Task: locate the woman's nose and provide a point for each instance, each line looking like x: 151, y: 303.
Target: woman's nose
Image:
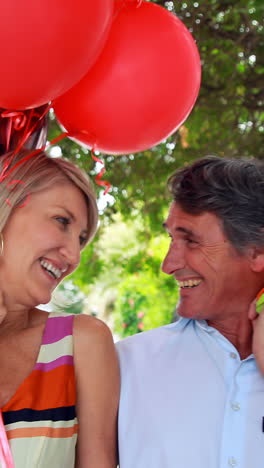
x: 71, y: 252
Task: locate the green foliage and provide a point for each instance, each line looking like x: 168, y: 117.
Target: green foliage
x: 90, y: 268
x: 146, y: 297
x: 227, y: 120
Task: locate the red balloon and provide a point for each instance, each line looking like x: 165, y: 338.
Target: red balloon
x: 142, y: 87
x: 47, y: 46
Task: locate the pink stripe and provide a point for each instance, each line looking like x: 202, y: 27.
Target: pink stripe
x: 47, y: 366
x: 5, y: 452
x: 57, y: 328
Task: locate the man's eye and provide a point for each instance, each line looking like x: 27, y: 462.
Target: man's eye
x: 63, y: 220
x: 191, y: 241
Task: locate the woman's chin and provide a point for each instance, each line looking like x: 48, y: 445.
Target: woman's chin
x: 39, y: 300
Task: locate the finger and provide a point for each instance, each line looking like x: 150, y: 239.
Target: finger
x: 252, y: 314
x: 1, y: 299
x: 260, y: 319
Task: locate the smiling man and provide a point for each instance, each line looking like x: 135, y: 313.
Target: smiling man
x: 192, y: 391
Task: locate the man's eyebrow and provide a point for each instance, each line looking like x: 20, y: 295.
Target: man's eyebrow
x: 189, y: 232
x: 184, y: 230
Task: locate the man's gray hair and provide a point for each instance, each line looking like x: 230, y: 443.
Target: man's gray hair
x: 231, y: 189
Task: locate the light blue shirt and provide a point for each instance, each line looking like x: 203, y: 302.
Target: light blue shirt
x: 188, y: 401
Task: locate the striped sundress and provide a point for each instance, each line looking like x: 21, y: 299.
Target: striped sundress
x: 40, y: 419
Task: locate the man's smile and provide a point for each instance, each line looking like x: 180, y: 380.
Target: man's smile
x: 191, y: 283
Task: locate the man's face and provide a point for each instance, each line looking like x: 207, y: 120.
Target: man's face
x: 214, y: 280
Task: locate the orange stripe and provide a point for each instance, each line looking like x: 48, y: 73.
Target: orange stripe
x: 43, y: 390
x: 53, y: 432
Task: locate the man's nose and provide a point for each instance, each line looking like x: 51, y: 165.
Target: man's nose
x: 174, y: 260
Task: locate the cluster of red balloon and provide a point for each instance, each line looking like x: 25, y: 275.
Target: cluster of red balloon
x: 142, y: 87
x: 122, y: 75
x: 46, y: 47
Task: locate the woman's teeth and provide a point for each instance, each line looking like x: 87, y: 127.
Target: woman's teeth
x: 51, y: 269
x: 189, y: 283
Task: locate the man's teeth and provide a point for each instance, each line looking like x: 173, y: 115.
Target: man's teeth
x: 51, y: 269
x: 189, y: 283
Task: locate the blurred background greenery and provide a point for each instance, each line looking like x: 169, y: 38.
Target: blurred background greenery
x: 119, y: 278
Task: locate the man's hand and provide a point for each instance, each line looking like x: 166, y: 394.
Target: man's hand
x: 3, y: 310
x: 258, y: 334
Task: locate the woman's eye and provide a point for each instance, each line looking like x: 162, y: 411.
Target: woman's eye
x: 63, y: 220
x: 83, y: 240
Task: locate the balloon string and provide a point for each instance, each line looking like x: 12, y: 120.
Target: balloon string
x: 55, y: 140
x: 5, y: 452
x: 27, y: 197
x: 98, y: 178
x: 29, y: 130
x: 18, y: 120
x: 5, y: 174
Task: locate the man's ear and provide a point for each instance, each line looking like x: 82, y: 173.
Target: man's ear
x: 256, y: 257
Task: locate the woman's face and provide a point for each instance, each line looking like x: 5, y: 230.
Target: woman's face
x: 42, y: 244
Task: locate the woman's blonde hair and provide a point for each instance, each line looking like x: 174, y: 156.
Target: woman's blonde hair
x: 40, y: 172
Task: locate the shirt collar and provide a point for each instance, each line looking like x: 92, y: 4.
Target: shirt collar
x: 203, y: 325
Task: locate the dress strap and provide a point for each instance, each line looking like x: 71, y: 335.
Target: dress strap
x: 5, y: 452
x: 57, y: 326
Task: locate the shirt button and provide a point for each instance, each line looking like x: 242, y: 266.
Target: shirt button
x: 232, y: 461
x: 233, y: 355
x: 235, y: 406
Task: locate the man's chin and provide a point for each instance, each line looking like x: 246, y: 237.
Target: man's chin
x: 186, y: 312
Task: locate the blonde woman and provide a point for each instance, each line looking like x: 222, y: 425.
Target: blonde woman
x: 59, y: 380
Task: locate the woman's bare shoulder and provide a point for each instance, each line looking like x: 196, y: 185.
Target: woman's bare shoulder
x: 91, y: 330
